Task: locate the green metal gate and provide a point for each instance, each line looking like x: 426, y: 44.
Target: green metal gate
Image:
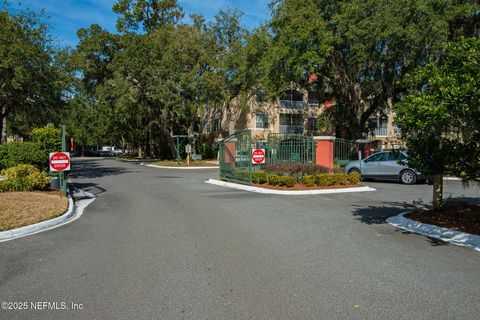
x: 290, y: 148
x: 235, y: 152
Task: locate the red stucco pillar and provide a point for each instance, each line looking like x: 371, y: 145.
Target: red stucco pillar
x: 324, y: 152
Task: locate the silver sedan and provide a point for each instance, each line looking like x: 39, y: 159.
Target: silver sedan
x: 386, y: 165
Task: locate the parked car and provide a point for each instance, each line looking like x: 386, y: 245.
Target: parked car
x: 386, y: 165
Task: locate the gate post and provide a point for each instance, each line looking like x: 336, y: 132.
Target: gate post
x: 363, y: 147
x: 324, y: 151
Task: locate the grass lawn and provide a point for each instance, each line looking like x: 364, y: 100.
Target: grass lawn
x: 19, y: 209
x: 183, y: 163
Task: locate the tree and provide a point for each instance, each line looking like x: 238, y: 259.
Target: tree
x: 440, y: 116
x: 362, y: 49
x: 150, y: 14
x: 32, y: 80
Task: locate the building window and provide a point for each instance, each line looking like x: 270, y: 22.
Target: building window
x: 292, y: 95
x: 312, y: 124
x: 216, y: 125
x: 207, y: 127
x: 261, y: 120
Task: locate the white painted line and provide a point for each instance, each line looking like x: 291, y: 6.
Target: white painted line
x: 75, y: 211
x: 178, y: 168
x: 286, y: 192
x: 59, y: 161
x: 452, y: 236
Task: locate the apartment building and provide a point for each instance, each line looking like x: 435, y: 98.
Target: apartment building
x: 296, y: 111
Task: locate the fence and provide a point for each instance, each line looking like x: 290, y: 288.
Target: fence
x: 235, y: 153
x: 347, y: 150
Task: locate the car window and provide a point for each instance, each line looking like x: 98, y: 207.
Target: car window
x: 378, y: 157
x: 403, y: 157
x: 393, y: 156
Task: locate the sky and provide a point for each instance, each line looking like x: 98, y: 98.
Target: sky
x: 67, y: 16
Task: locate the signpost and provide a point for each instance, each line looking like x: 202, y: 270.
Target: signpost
x: 258, y: 156
x: 188, y: 150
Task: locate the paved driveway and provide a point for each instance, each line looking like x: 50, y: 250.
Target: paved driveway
x: 161, y: 244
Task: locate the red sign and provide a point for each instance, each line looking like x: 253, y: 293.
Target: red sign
x: 60, y: 161
x: 258, y: 156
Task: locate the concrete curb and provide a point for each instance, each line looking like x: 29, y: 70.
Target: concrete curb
x: 176, y: 168
x: 452, y: 236
x: 286, y: 192
x: 74, y: 211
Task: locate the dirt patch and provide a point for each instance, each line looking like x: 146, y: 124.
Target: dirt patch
x: 458, y: 216
x: 18, y: 209
x: 300, y: 186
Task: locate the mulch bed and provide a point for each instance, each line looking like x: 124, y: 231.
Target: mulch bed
x: 458, y: 216
x: 300, y: 186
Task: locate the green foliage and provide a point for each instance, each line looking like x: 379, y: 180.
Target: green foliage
x: 14, y: 153
x: 33, y: 79
x: 440, y: 117
x: 324, y: 180
x: 259, y: 177
x: 360, y: 49
x: 273, y: 179
x: 309, y: 181
x: 149, y: 14
x: 295, y: 170
x: 48, y: 137
x: 354, y: 178
x: 287, y: 181
x: 23, y: 177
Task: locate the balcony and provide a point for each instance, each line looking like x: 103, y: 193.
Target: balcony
x: 380, y: 132
x: 291, y: 129
x: 292, y: 104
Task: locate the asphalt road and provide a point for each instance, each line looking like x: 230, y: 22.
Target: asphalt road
x: 162, y: 244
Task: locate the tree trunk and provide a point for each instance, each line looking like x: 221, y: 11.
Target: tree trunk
x: 3, y: 125
x: 437, y: 190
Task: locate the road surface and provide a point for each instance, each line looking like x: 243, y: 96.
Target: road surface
x: 162, y: 244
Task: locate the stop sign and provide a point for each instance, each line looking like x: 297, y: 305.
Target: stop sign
x: 258, y: 156
x: 59, y: 161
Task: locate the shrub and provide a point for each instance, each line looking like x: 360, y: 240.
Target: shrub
x: 14, y: 153
x: 259, y: 177
x: 273, y: 179
x: 325, y: 180
x: 354, y: 178
x: 23, y: 177
x: 309, y: 181
x: 340, y: 179
x: 287, y: 181
x: 48, y: 137
x: 295, y: 170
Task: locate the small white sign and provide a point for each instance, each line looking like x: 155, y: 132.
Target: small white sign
x: 188, y: 148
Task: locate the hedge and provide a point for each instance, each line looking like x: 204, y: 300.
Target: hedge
x: 23, y: 177
x: 14, y: 153
x: 322, y: 180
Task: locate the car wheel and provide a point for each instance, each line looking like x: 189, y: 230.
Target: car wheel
x: 408, y: 177
x: 354, y: 170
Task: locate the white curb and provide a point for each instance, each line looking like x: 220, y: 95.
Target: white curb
x: 452, y: 236
x: 177, y: 168
x: 286, y: 192
x: 74, y: 211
